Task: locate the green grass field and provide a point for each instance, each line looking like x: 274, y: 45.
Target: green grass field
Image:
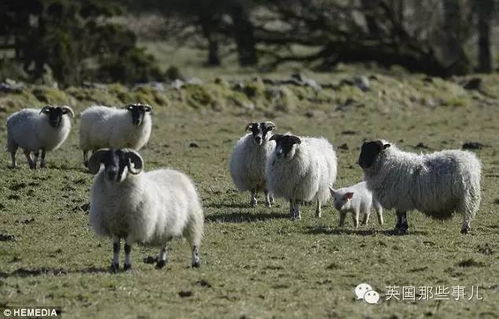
x: 256, y: 262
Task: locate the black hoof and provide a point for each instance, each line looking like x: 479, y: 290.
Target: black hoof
x: 127, y: 267
x: 465, y: 231
x: 151, y: 260
x: 196, y: 264
x: 114, y: 268
x: 160, y: 264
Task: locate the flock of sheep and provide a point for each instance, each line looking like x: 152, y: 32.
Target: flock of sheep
x: 154, y: 207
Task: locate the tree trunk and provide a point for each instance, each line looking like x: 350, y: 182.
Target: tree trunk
x: 485, y: 9
x: 210, y: 23
x: 243, y: 35
x: 453, y: 54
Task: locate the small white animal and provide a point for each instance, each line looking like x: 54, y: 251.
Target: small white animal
x: 147, y: 207
x: 356, y: 199
x: 37, y: 130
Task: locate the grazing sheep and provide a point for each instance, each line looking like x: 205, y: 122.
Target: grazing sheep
x: 148, y: 207
x: 301, y: 169
x: 437, y: 184
x: 247, y: 162
x: 356, y: 199
x: 37, y: 130
x: 109, y: 127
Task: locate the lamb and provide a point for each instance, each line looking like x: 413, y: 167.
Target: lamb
x: 356, y: 199
x: 37, y: 130
x: 301, y: 169
x: 109, y: 127
x: 148, y: 207
x: 247, y: 162
x: 437, y: 184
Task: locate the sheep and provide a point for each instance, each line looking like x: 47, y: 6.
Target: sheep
x: 301, y: 169
x: 37, y: 130
x: 437, y: 184
x: 247, y: 162
x: 356, y: 199
x: 109, y: 127
x: 148, y: 207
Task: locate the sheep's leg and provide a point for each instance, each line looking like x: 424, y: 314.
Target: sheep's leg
x: 13, y: 158
x: 115, y: 264
x: 271, y: 198
x: 28, y: 158
x: 128, y: 260
x: 402, y: 225
x: 469, y: 207
x: 42, y: 159
x: 367, y: 213
x: 318, y: 210
x: 161, y: 257
x: 37, y: 155
x: 85, y: 158
x: 291, y: 209
x: 268, y: 200
x: 297, y: 212
x: 379, y: 212
x: 253, y: 200
x: 196, y: 261
x: 355, y: 217
x: 343, y: 215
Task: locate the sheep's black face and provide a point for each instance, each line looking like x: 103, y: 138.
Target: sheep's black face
x: 285, y: 145
x: 54, y: 114
x: 370, y: 152
x: 260, y: 130
x: 115, y: 163
x: 138, y: 112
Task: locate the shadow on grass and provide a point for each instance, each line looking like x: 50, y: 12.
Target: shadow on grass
x: 243, y: 217
x: 360, y: 232
x: 26, y: 272
x: 231, y: 205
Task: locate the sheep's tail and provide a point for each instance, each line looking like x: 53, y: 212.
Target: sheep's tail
x: 472, y: 197
x: 195, y: 227
x: 11, y: 145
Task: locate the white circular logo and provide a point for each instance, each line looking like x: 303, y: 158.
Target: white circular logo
x: 7, y: 312
x: 371, y: 297
x: 361, y: 290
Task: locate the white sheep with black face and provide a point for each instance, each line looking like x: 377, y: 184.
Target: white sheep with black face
x: 437, y: 184
x: 37, y: 131
x: 358, y: 200
x: 147, y: 207
x: 109, y: 127
x: 301, y: 169
x: 247, y: 162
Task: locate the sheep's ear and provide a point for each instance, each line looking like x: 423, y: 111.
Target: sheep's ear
x: 385, y: 146
x: 249, y: 126
x: 95, y: 160
x: 148, y: 108
x: 137, y: 161
x: 348, y: 195
x: 66, y: 109
x: 332, y: 191
x: 45, y: 109
x: 295, y: 140
x: 270, y: 125
x: 275, y: 137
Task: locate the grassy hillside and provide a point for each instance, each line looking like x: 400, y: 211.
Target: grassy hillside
x: 256, y: 262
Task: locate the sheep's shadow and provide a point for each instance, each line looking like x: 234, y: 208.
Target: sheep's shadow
x: 316, y: 230
x: 231, y: 205
x: 240, y: 217
x: 34, y: 272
